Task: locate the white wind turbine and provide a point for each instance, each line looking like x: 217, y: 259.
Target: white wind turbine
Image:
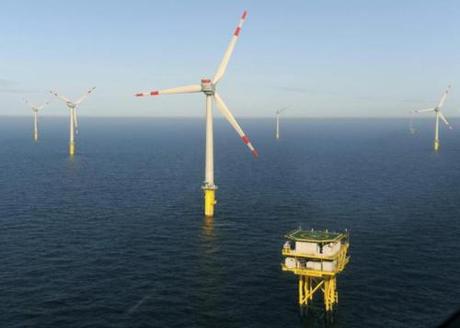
x: 208, y: 87
x: 278, y: 112
x: 72, y: 106
x: 439, y: 115
x: 35, y: 110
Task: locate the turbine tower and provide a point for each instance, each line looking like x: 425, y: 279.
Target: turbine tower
x: 72, y: 106
x: 278, y: 112
x: 439, y: 115
x: 208, y: 87
x: 35, y: 110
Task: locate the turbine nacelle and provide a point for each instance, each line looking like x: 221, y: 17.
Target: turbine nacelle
x: 208, y: 87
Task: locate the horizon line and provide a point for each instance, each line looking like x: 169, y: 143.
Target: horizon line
x: 222, y: 118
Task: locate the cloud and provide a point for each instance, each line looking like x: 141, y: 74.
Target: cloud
x: 18, y: 91
x: 4, y: 83
x: 357, y: 98
x: 10, y: 86
x: 294, y: 89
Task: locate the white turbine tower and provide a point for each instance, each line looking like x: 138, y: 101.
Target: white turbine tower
x: 439, y: 115
x: 35, y: 110
x: 72, y: 106
x: 278, y: 112
x: 208, y: 87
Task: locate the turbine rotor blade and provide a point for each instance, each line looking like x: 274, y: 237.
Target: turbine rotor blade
x: 424, y: 110
x: 444, y: 119
x: 231, y: 119
x: 54, y: 93
x: 444, y: 97
x: 43, y: 105
x: 228, y: 53
x: 30, y: 104
x: 86, y: 95
x: 185, y: 89
x: 279, y: 111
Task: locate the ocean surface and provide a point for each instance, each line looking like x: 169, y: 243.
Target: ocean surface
x: 116, y: 237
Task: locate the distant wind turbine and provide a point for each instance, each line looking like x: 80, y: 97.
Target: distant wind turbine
x: 278, y: 112
x: 412, y: 129
x: 208, y: 87
x: 439, y: 115
x: 35, y: 110
x: 72, y: 106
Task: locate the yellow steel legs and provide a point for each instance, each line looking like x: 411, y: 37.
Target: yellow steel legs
x: 308, y: 287
x: 209, y: 201
x: 331, y: 296
x: 301, y: 290
x: 305, y: 290
x: 72, y: 148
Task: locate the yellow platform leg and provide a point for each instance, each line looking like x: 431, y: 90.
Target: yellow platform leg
x: 72, y: 148
x: 310, y: 291
x: 330, y: 294
x: 436, y: 145
x: 209, y: 201
x: 301, y: 290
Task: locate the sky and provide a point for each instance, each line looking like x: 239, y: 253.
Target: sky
x: 321, y: 58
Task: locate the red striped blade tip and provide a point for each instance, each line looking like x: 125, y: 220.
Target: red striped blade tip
x: 154, y: 93
x: 245, y: 13
x: 139, y: 94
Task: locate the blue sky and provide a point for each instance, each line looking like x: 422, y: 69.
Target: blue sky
x: 323, y: 58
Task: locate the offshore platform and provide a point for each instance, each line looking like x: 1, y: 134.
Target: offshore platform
x: 316, y: 257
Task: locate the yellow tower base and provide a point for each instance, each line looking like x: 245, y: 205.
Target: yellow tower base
x: 209, y: 201
x: 308, y: 286
x: 71, y: 148
x: 436, y: 145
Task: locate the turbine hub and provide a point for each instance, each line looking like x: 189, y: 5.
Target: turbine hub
x: 207, y: 87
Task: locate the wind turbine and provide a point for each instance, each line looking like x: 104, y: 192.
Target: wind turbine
x: 208, y: 87
x: 72, y: 106
x: 439, y: 115
x: 35, y: 110
x: 412, y: 128
x: 278, y: 112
